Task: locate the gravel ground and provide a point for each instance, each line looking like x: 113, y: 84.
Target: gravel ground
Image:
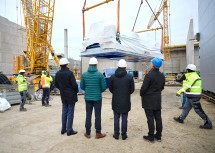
x: 38, y: 129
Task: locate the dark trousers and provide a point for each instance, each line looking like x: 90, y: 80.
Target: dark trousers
x: 97, y: 105
x: 123, y: 125
x: 23, y: 98
x: 194, y: 103
x: 46, y: 93
x: 152, y: 115
x: 67, y: 117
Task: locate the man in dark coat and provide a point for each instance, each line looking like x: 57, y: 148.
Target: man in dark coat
x: 121, y: 86
x: 150, y: 92
x: 66, y: 83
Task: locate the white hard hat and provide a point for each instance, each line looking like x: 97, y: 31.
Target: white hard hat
x: 191, y: 67
x: 93, y: 61
x: 64, y: 61
x: 122, y: 63
x: 22, y: 71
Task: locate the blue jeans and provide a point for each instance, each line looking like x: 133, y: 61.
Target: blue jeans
x: 123, y: 125
x: 67, y: 117
x: 97, y: 105
x: 183, y: 99
x: 23, y: 98
x: 46, y: 93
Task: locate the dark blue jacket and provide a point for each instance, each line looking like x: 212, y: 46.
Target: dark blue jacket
x: 121, y: 86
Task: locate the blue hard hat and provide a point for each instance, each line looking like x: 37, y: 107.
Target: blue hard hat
x: 157, y: 62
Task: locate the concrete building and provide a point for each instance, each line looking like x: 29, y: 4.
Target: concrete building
x: 12, y: 42
x: 207, y: 43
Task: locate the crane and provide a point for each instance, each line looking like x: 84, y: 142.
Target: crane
x: 38, y: 17
x: 164, y: 27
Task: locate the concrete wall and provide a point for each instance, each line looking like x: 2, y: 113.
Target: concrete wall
x: 207, y: 43
x: 12, y: 42
x: 178, y: 60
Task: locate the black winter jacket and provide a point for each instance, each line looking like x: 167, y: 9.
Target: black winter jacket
x: 150, y: 91
x: 121, y: 86
x: 66, y: 83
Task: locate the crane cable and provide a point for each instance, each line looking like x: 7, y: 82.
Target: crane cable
x: 153, y: 12
x: 137, y: 14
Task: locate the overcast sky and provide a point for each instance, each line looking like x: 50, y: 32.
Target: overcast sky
x: 68, y: 14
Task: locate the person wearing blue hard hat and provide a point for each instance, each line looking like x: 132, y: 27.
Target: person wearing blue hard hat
x: 157, y: 62
x: 150, y: 93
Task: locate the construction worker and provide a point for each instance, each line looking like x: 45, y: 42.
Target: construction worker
x: 22, y: 88
x: 93, y: 83
x: 46, y: 83
x: 192, y: 88
x: 121, y: 86
x: 66, y: 83
x: 150, y: 92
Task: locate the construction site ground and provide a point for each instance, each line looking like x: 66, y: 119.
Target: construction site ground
x: 38, y: 129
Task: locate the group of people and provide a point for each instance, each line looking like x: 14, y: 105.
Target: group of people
x: 121, y: 86
x: 45, y: 84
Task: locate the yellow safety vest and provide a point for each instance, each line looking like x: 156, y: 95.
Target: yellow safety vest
x: 192, y: 85
x: 22, y: 84
x: 46, y: 81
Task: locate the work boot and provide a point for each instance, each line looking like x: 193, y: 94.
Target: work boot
x: 148, y: 138
x: 100, y: 135
x: 48, y: 105
x: 22, y: 109
x: 87, y: 135
x: 207, y: 125
x: 178, y: 119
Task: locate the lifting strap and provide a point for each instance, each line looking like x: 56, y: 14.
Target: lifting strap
x: 137, y: 15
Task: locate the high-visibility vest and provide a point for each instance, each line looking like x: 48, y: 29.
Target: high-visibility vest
x: 22, y: 84
x: 46, y: 81
x: 192, y: 85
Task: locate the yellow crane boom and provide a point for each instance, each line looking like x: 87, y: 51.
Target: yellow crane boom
x: 38, y: 15
x: 164, y: 27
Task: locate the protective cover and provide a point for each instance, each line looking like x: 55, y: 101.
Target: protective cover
x: 103, y: 36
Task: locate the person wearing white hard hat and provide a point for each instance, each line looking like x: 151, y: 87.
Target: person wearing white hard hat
x: 192, y: 88
x: 22, y: 88
x: 66, y: 83
x: 121, y: 86
x: 93, y: 83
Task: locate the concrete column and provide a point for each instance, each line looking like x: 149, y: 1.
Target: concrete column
x: 190, y: 44
x: 65, y: 43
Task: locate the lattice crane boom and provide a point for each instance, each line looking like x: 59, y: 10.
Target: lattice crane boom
x: 38, y: 16
x: 164, y: 27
